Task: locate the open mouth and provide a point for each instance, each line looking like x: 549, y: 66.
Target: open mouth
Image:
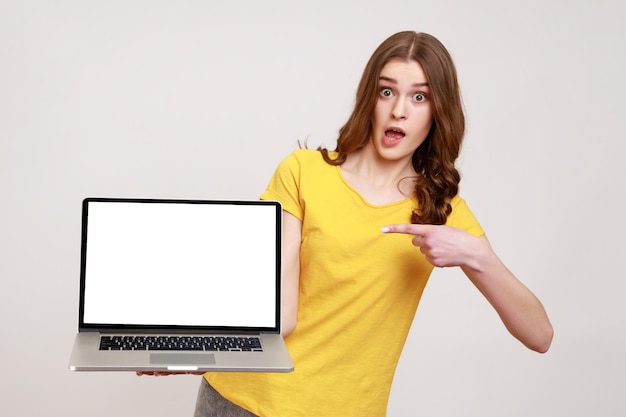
x: 393, y: 136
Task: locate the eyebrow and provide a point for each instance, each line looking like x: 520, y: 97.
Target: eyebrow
x: 391, y: 80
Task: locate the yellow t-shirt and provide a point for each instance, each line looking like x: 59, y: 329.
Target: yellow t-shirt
x: 359, y: 290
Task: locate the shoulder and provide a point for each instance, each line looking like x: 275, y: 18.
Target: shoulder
x: 307, y: 159
x: 307, y: 155
x: 462, y: 217
x: 458, y: 203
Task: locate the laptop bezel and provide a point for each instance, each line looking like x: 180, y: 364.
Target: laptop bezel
x: 122, y: 328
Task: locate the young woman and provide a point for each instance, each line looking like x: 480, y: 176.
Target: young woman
x: 364, y: 226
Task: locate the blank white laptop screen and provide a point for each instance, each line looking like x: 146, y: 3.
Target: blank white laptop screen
x: 180, y: 264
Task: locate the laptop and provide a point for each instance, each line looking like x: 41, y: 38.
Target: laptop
x: 180, y: 285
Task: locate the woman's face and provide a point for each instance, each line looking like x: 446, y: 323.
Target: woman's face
x: 403, y: 114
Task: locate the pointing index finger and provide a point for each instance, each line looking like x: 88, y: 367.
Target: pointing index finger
x: 410, y: 229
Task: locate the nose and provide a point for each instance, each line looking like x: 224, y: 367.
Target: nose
x: 398, y: 111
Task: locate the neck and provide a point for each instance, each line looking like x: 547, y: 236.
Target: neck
x: 377, y: 180
x: 379, y: 172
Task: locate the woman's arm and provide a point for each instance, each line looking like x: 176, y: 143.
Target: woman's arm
x: 520, y: 310
x: 290, y: 271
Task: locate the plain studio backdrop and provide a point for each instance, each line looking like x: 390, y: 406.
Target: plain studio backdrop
x: 202, y: 99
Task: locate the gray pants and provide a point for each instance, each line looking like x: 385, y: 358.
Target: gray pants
x: 211, y: 404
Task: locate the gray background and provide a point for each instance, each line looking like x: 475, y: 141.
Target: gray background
x: 201, y: 99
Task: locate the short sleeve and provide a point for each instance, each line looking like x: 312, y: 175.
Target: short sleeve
x: 462, y: 217
x: 284, y: 186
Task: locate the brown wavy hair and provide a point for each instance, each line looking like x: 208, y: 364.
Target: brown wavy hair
x: 437, y: 180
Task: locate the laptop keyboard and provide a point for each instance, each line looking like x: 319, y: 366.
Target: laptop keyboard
x: 197, y: 343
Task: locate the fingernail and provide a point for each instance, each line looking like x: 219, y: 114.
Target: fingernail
x: 384, y: 229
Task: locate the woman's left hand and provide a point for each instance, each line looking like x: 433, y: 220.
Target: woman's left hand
x: 443, y: 246
x: 520, y: 310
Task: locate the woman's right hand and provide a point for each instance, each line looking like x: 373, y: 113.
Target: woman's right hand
x: 168, y: 373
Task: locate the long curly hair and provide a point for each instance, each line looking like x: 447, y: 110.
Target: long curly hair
x: 437, y: 180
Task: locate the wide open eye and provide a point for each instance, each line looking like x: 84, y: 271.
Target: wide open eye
x: 419, y: 97
x: 386, y: 92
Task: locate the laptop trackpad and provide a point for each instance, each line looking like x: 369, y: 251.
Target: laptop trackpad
x: 182, y: 359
